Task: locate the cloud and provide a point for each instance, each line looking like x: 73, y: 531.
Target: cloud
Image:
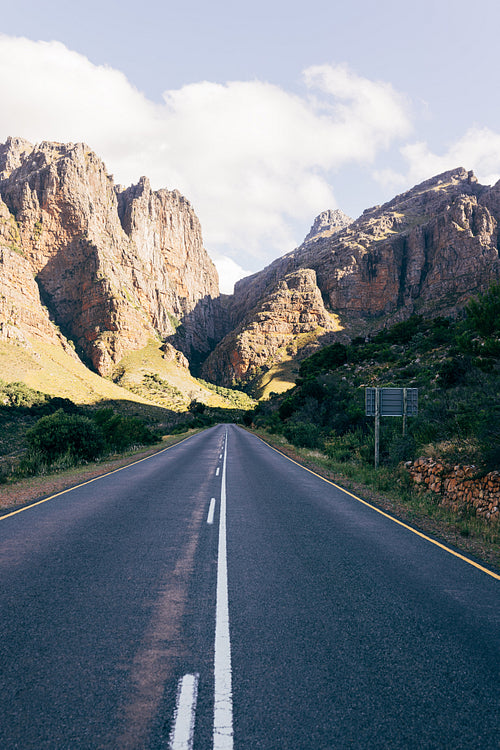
x: 478, y: 149
x: 253, y: 158
x: 229, y: 272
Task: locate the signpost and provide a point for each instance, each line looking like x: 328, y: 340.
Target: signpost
x: 390, y: 402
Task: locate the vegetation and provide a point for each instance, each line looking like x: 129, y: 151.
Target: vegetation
x: 455, y: 364
x: 42, y: 433
x: 234, y: 397
x: 159, y: 391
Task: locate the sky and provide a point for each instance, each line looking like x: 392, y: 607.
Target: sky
x: 263, y: 113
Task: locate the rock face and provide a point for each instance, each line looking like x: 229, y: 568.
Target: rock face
x: 428, y: 249
x: 108, y: 268
x: 114, y: 267
x: 327, y: 223
x: 270, y: 331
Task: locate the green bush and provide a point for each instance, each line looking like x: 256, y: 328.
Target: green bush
x: 121, y: 432
x: 401, y: 448
x: 21, y: 395
x: 452, y: 372
x: 57, y: 434
x: 303, y: 434
x: 489, y: 441
x: 483, y: 312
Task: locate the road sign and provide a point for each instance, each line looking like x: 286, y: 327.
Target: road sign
x: 392, y: 402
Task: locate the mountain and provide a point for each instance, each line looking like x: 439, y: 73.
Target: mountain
x: 426, y: 251
x: 112, y: 267
x: 284, y: 320
x: 117, y: 279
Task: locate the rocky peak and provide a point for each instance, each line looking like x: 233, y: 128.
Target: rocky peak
x: 428, y: 250
x: 327, y: 223
x: 12, y: 154
x: 443, y: 186
x: 110, y: 290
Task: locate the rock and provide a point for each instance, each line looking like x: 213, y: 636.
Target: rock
x: 426, y: 251
x: 293, y: 307
x: 114, y: 266
x: 327, y: 223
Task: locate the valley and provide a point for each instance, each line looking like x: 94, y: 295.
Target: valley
x: 109, y: 300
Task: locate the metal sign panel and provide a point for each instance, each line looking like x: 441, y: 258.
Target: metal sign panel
x: 370, y: 401
x: 392, y: 402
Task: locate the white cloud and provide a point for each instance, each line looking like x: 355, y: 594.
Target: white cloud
x: 251, y: 157
x: 478, y: 149
x: 229, y: 272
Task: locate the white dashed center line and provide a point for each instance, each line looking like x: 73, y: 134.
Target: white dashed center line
x: 182, y: 734
x: 210, y: 518
x: 223, y: 697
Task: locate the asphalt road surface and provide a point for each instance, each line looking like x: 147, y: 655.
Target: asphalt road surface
x: 218, y: 595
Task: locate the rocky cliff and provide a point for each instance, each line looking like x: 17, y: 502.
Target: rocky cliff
x: 106, y: 268
x: 426, y: 251
x: 113, y: 267
x: 273, y: 330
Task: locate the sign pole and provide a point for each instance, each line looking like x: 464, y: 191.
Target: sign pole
x: 377, y: 425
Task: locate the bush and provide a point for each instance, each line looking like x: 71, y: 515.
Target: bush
x: 120, y: 432
x: 401, y: 448
x: 303, y: 434
x: 452, y: 372
x: 247, y: 417
x: 20, y: 395
x: 483, y: 312
x: 57, y: 434
x: 489, y: 441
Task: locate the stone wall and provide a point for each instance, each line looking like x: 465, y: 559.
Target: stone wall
x: 459, y: 487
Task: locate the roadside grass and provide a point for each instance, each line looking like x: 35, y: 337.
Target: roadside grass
x: 16, y: 492
x: 392, y: 490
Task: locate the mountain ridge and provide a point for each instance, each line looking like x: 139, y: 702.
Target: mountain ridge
x: 103, y: 270
x: 427, y: 250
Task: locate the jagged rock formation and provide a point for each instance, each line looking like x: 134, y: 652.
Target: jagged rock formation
x: 109, y: 268
x: 114, y: 267
x: 327, y: 223
x: 270, y: 331
x: 427, y: 250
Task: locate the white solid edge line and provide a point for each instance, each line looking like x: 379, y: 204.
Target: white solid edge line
x: 223, y: 698
x: 182, y: 734
x: 211, y: 510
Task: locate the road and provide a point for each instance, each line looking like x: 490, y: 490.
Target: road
x: 218, y: 595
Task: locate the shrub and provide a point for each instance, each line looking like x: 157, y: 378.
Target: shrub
x: 489, y: 440
x: 57, y: 434
x: 121, y: 432
x: 303, y: 434
x: 247, y: 417
x: 483, y: 312
x: 328, y: 358
x: 21, y: 395
x: 401, y: 448
x: 452, y: 372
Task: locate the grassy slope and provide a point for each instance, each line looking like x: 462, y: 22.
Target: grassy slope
x: 49, y: 369
x: 281, y: 376
x: 133, y: 371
